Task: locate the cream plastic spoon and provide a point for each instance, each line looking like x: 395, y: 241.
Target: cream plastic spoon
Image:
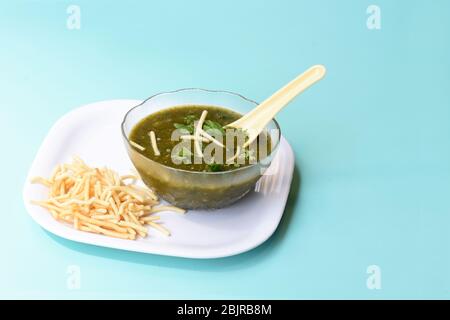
x: 256, y: 120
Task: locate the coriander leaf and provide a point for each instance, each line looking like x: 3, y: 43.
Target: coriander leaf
x: 185, y: 152
x: 210, y: 125
x: 184, y: 155
x: 188, y: 128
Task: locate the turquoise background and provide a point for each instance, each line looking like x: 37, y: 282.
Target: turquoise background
x: 371, y: 141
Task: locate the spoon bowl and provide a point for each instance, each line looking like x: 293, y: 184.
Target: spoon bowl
x: 254, y: 122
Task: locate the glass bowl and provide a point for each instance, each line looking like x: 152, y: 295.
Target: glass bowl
x: 196, y: 190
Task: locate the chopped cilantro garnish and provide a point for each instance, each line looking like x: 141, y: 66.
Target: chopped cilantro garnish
x: 187, y: 127
x: 215, y: 167
x: 210, y: 125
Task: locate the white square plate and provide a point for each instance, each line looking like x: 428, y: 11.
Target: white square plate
x: 93, y: 133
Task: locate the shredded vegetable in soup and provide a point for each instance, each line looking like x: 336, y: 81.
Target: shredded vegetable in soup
x: 195, y: 138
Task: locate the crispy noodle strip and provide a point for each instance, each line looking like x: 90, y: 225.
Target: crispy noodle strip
x: 159, y: 227
x: 168, y: 208
x: 191, y: 137
x: 100, y: 201
x: 138, y: 146
x: 198, y: 128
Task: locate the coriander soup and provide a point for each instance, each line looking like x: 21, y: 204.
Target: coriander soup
x: 193, y: 138
x: 185, y: 154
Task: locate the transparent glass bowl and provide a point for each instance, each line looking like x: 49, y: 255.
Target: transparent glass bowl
x: 188, y: 189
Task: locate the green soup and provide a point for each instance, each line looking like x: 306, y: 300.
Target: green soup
x: 181, y: 153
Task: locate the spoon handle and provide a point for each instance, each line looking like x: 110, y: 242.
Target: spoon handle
x: 272, y: 105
